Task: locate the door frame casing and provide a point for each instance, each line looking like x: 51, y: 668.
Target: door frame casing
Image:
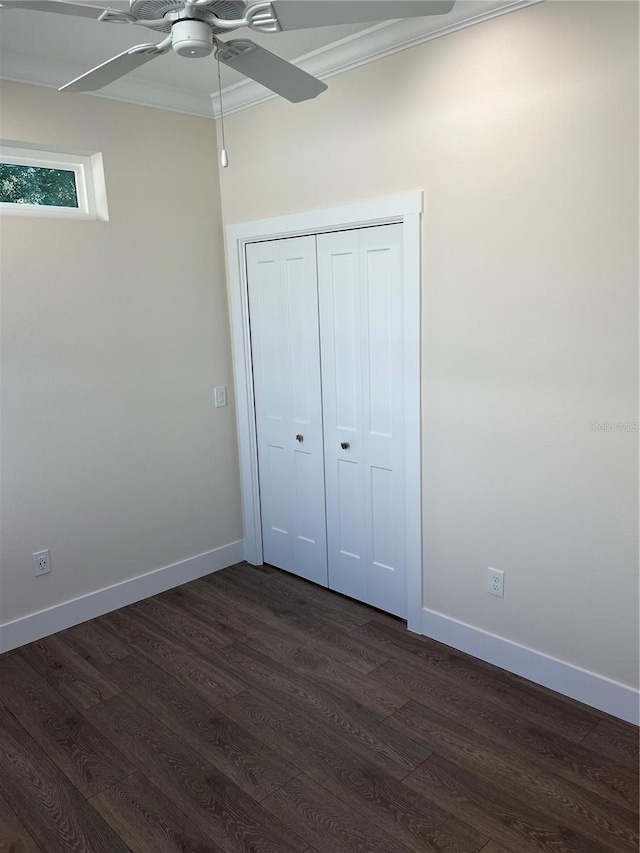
x: 405, y: 209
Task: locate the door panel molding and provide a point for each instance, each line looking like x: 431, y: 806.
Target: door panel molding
x: 405, y: 209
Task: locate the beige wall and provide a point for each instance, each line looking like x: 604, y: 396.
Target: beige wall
x: 114, y: 335
x: 523, y: 134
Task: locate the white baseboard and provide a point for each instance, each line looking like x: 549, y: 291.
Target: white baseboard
x: 54, y: 619
x: 599, y: 692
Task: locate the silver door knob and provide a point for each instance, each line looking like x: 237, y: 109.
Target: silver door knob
x: 345, y: 445
x: 300, y: 438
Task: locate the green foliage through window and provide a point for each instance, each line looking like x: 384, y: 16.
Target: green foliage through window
x: 37, y: 185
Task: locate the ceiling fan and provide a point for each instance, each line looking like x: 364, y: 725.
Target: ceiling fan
x: 193, y: 27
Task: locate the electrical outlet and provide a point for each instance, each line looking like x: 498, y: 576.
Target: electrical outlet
x: 42, y: 562
x: 496, y: 582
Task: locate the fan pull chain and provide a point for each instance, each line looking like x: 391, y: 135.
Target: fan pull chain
x: 224, y: 159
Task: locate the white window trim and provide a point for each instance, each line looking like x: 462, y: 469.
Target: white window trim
x: 405, y: 209
x: 87, y: 169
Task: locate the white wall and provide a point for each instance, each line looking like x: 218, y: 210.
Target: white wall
x: 523, y: 133
x: 113, y: 337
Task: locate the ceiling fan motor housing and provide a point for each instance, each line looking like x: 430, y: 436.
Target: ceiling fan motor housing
x: 192, y: 38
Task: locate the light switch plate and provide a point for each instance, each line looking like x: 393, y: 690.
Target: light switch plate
x: 220, y: 396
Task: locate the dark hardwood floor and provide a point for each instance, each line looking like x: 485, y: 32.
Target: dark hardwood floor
x: 252, y: 712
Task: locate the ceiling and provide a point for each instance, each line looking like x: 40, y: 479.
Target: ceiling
x: 50, y: 50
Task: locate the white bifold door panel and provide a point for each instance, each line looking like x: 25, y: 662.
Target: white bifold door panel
x: 361, y: 328
x: 283, y: 310
x: 326, y: 317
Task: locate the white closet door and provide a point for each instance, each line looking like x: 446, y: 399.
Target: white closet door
x: 283, y: 299
x: 361, y: 327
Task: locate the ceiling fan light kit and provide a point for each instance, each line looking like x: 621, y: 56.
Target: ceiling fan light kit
x: 193, y: 27
x: 192, y: 38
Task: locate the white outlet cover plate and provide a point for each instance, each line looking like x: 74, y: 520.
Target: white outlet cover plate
x: 42, y: 562
x: 220, y: 395
x: 496, y: 582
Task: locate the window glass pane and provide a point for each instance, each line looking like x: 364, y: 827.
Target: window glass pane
x: 37, y: 185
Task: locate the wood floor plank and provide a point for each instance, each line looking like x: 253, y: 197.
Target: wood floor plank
x: 235, y: 821
x: 530, y: 701
x: 374, y: 795
x: 616, y: 739
x: 342, y: 611
x: 148, y: 821
x: 572, y: 761
x: 94, y: 643
x: 72, y: 676
x: 14, y: 838
x: 209, y: 606
x: 300, y: 656
x: 254, y: 767
x: 327, y: 601
x: 249, y: 623
x: 325, y: 821
x: 306, y: 661
x: 511, y: 821
x: 86, y: 758
x: 323, y: 599
x: 397, y: 755
x: 348, y: 722
x: 325, y: 636
x: 212, y: 682
x: 310, y: 599
x: 253, y: 712
x: 192, y: 631
x: 59, y: 818
x: 572, y: 805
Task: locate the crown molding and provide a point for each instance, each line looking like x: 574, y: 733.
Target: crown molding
x: 373, y: 43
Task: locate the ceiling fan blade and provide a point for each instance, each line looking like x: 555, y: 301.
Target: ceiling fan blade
x: 81, y: 10
x: 115, y: 68
x: 270, y: 70
x: 301, y: 14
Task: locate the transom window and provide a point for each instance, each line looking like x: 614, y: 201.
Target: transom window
x: 48, y: 183
x: 21, y: 184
